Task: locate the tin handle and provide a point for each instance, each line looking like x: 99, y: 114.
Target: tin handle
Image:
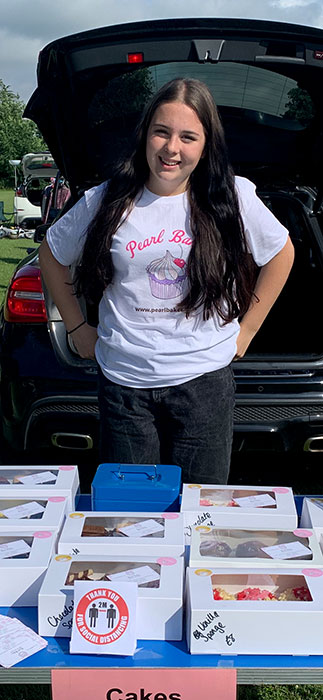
x: 119, y: 475
x: 153, y: 476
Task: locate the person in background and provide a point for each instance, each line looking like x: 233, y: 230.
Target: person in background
x: 169, y: 248
x: 62, y: 194
x: 46, y: 197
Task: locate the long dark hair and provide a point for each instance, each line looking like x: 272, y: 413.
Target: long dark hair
x: 219, y: 271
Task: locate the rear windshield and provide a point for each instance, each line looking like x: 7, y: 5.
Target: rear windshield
x: 41, y: 165
x: 261, y: 110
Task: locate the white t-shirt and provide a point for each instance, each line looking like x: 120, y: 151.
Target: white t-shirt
x: 143, y: 341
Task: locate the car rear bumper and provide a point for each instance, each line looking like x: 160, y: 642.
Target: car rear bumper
x: 278, y: 424
x: 266, y: 423
x: 58, y: 422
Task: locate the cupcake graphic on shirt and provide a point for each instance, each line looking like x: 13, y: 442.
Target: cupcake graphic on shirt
x: 167, y: 277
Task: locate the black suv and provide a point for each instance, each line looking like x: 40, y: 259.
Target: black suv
x: 266, y: 79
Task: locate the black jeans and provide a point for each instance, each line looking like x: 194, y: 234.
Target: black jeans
x: 190, y: 425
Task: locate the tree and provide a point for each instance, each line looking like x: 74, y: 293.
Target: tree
x: 17, y: 135
x: 299, y: 106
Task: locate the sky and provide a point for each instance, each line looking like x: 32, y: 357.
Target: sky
x: 28, y: 25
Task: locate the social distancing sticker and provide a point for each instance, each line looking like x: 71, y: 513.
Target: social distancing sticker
x: 104, y: 618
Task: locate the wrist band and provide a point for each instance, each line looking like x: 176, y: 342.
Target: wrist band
x: 76, y: 328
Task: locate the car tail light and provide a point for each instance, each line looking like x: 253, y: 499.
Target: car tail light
x: 135, y: 57
x: 25, y: 298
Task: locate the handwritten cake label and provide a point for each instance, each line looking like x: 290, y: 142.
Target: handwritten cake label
x: 23, y: 511
x: 39, y: 478
x: 211, y: 629
x: 12, y: 549
x: 141, y: 529
x: 202, y: 518
x: 260, y: 501
x: 143, y: 574
x: 64, y: 618
x: 289, y: 550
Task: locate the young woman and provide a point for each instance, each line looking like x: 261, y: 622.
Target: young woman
x: 168, y: 247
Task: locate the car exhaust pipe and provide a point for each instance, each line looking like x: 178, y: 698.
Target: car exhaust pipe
x: 72, y: 441
x: 314, y: 444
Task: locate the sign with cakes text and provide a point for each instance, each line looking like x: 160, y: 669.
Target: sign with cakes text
x: 144, y: 684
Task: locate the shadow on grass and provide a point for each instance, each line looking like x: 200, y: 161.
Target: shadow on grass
x: 10, y: 261
x: 25, y: 692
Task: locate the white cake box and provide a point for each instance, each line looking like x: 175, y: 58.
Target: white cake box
x: 159, y: 608
x: 249, y: 625
x: 262, y: 507
x: 62, y: 480
x: 215, y: 547
x: 312, y: 512
x: 33, y: 512
x: 24, y: 559
x: 99, y: 532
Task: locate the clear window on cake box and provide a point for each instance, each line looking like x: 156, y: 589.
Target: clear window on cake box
x: 145, y: 574
x: 261, y: 544
x: 237, y: 498
x: 15, y: 547
x: 261, y: 548
x: 22, y: 509
x: 28, y: 477
x: 246, y: 587
x: 109, y: 526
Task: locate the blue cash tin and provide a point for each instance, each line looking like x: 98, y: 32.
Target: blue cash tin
x: 136, y: 487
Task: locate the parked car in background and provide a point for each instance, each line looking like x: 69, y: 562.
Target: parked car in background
x: 266, y: 78
x: 37, y: 171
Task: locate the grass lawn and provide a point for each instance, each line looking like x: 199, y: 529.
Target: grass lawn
x: 244, y: 692
x: 280, y: 692
x: 11, y: 250
x: 6, y: 196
